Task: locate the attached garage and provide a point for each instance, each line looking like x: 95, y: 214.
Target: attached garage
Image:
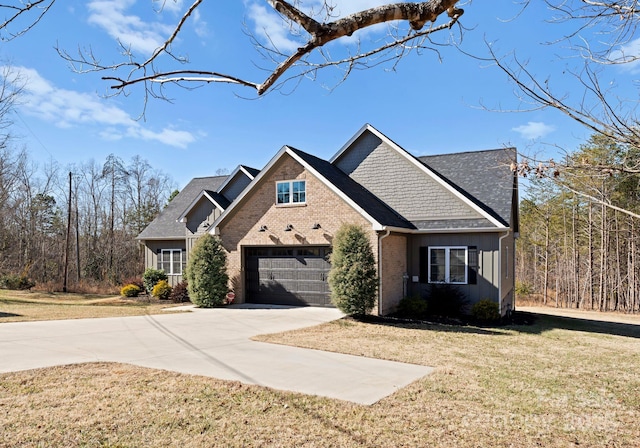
x: 288, y: 275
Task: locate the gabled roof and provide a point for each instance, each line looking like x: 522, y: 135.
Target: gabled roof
x: 370, y: 207
x: 348, y: 187
x: 214, y: 197
x: 476, y: 203
x: 242, y: 169
x: 484, y: 176
x: 165, y: 225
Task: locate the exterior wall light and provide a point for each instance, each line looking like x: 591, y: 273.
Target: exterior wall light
x: 262, y: 229
x: 289, y: 228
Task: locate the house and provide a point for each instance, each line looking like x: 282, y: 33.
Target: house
x: 449, y: 218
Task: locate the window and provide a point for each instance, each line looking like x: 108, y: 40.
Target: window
x: 291, y: 192
x: 443, y: 264
x: 171, y: 261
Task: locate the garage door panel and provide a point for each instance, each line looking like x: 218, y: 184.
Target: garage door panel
x: 288, y: 276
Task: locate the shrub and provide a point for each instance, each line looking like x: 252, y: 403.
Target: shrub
x: 162, y: 290
x: 134, y: 281
x: 151, y: 277
x: 485, y: 311
x: 15, y: 281
x: 446, y: 300
x: 130, y: 290
x: 353, y: 279
x: 207, y: 279
x: 412, y: 306
x: 179, y: 293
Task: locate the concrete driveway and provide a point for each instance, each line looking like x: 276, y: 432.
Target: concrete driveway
x: 214, y: 343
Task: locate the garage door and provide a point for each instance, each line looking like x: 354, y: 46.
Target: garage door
x: 287, y: 275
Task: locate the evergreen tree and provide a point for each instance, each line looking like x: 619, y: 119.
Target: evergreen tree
x: 353, y: 279
x: 206, y: 273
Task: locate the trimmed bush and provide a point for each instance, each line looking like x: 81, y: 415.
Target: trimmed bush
x: 412, y: 307
x: 485, y: 311
x: 179, y: 293
x: 162, y: 290
x: 151, y: 277
x: 353, y: 279
x: 130, y: 290
x: 207, y: 278
x: 446, y: 301
x: 15, y: 282
x: 134, y: 281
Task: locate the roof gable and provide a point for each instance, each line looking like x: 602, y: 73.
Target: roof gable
x: 355, y: 195
x: 165, y: 225
x: 407, y: 185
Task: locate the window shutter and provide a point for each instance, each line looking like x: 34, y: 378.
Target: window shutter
x: 472, y: 265
x: 158, y: 258
x: 424, y: 265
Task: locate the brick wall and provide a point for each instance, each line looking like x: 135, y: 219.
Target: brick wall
x: 394, y: 265
x: 258, y: 209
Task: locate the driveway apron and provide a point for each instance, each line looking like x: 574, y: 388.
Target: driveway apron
x: 214, y: 343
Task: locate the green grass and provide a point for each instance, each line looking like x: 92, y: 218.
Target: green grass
x: 557, y: 383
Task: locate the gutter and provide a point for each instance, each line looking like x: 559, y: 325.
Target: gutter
x: 380, y: 238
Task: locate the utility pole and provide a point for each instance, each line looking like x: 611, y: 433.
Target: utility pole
x: 66, y: 248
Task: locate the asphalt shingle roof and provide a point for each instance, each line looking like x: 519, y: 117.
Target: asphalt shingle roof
x: 483, y: 176
x: 165, y: 225
x: 377, y: 209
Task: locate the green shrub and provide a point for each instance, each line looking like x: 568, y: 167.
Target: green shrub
x: 353, y: 279
x: 446, y: 301
x: 15, y: 281
x: 151, y: 277
x: 130, y: 290
x: 207, y: 279
x: 485, y: 311
x: 162, y: 290
x: 179, y: 293
x: 412, y: 306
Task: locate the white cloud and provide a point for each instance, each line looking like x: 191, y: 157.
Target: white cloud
x: 628, y: 52
x: 128, y: 29
x: 170, y: 5
x: 200, y: 26
x: 534, y: 129
x: 68, y: 108
x: 271, y: 28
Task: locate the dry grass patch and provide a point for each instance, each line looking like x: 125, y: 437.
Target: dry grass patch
x: 22, y: 306
x: 558, y: 383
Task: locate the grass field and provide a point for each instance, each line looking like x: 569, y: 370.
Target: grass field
x: 558, y: 382
x: 22, y: 306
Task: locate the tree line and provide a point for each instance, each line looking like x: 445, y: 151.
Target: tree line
x: 92, y: 232
x: 580, y: 232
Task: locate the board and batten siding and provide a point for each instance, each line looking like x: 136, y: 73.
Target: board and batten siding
x: 406, y: 187
x: 200, y: 217
x: 233, y: 189
x: 487, y: 244
x: 151, y: 249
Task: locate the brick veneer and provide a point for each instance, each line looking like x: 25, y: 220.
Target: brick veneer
x: 258, y: 208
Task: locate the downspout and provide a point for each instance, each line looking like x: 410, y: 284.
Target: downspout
x: 380, y: 270
x: 500, y: 269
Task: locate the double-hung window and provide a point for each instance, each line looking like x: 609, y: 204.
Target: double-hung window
x: 291, y: 192
x: 171, y: 261
x: 448, y: 264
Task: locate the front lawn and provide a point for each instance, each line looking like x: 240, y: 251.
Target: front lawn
x: 557, y: 383
x: 22, y: 306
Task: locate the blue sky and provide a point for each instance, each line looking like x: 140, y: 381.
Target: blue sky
x: 429, y: 103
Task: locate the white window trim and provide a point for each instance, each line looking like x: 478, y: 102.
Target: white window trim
x: 171, y: 261
x: 290, y: 182
x: 447, y: 264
